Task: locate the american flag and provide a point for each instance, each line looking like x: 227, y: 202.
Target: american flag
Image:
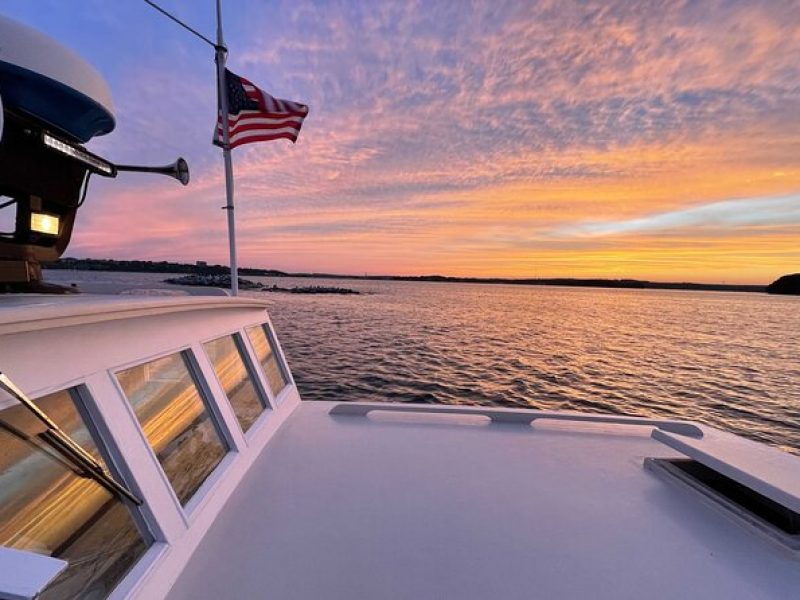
x: 255, y: 116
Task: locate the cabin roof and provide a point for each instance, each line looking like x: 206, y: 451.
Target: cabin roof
x: 33, y: 312
x: 412, y: 506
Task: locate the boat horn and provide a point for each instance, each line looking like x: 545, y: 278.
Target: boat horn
x: 179, y: 170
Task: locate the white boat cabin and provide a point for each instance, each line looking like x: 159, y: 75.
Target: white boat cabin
x: 242, y: 491
x: 176, y: 397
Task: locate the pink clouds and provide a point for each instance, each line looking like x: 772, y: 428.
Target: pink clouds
x: 457, y: 138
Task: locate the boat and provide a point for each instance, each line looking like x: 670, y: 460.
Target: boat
x: 157, y: 447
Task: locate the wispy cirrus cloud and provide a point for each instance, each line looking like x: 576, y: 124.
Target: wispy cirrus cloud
x: 730, y: 214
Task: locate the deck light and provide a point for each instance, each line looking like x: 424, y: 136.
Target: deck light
x: 44, y: 223
x: 96, y: 163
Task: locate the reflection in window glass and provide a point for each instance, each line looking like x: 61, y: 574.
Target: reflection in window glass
x: 268, y: 357
x: 229, y: 365
x: 175, y: 420
x: 46, y: 507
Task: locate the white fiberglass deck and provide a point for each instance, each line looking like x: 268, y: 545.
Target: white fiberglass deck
x: 388, y: 507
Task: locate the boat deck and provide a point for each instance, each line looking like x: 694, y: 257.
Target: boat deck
x: 412, y: 505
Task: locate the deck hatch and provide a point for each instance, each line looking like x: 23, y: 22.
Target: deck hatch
x: 745, y: 501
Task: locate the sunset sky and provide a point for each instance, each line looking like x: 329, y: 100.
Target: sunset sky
x: 645, y: 139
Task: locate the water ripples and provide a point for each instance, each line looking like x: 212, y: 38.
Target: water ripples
x: 728, y: 360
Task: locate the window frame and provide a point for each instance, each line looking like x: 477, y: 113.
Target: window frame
x: 239, y: 336
x: 278, y: 398
x: 189, y: 510
x: 87, y: 408
x: 146, y: 525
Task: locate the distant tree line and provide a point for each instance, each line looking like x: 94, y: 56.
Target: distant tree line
x: 788, y: 284
x: 147, y: 266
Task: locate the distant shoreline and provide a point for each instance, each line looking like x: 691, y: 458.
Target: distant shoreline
x: 634, y: 284
x: 142, y: 266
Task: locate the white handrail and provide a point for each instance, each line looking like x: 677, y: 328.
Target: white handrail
x: 524, y: 416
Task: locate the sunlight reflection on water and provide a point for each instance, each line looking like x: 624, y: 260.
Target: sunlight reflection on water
x: 725, y: 359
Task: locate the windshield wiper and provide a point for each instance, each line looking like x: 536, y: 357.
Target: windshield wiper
x: 66, y: 446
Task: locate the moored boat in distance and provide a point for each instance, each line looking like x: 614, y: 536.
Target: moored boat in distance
x: 157, y: 447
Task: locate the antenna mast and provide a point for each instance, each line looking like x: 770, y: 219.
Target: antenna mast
x: 222, y: 91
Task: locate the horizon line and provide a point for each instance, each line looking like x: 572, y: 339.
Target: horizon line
x: 464, y: 278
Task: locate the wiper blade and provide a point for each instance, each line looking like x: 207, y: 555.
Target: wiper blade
x: 66, y: 446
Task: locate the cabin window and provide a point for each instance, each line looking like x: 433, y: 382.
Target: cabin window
x: 176, y: 421
x: 264, y: 345
x: 236, y: 378
x: 47, y: 506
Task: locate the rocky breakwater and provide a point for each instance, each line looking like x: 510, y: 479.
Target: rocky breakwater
x: 311, y: 289
x: 224, y: 281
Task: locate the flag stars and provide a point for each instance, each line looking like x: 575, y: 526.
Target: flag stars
x: 237, y: 97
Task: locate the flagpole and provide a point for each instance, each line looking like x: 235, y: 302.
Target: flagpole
x: 222, y: 91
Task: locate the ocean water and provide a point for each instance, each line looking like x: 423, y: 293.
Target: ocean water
x: 731, y: 360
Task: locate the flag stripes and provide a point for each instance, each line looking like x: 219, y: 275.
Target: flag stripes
x: 256, y: 116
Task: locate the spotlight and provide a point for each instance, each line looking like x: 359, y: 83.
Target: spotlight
x: 44, y: 223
